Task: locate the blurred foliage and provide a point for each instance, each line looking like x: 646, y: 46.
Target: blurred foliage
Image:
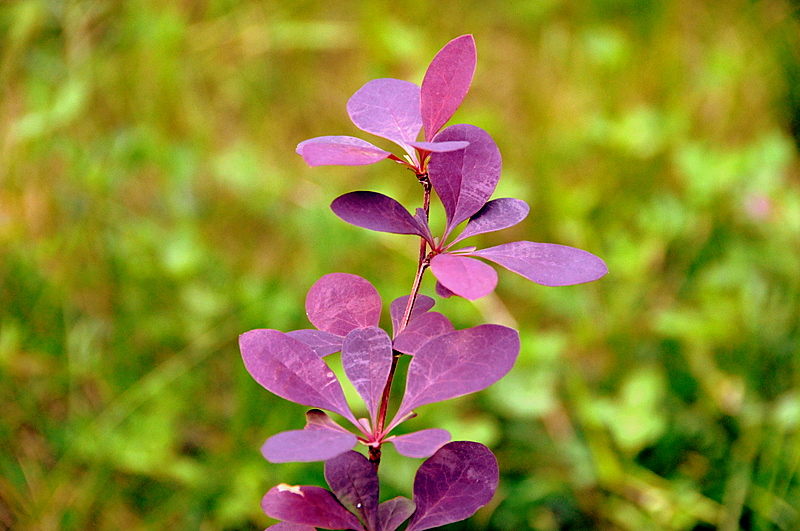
x: 152, y: 208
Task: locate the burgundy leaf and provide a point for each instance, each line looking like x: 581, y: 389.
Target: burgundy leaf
x: 388, y: 108
x: 548, y: 264
x: 354, y: 481
x: 438, y: 147
x: 421, y: 443
x: 458, y: 363
x: 466, y: 277
x: 377, y: 212
x: 495, y: 215
x: 340, y: 151
x: 307, y: 445
x: 307, y: 505
x: 458, y: 480
x: 323, y: 343
x: 421, y: 330
x: 340, y: 302
x: 392, y: 513
x: 287, y: 526
x: 367, y: 359
x: 291, y: 370
x: 465, y: 179
x: 446, y: 82
x: 397, y: 308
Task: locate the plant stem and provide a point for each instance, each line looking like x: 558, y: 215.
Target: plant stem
x: 422, y: 261
x: 422, y: 265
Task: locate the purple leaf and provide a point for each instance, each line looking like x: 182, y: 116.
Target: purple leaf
x: 388, y: 108
x: 548, y: 264
x: 321, y: 439
x: 442, y: 291
x: 465, y: 179
x: 287, y: 526
x: 312, y: 506
x: 466, y: 277
x: 291, y: 370
x: 458, y: 480
x: 307, y: 445
x: 323, y: 343
x: 394, y: 512
x: 438, y: 147
x: 421, y: 330
x: 367, y: 359
x: 458, y: 363
x: 375, y: 211
x: 339, y: 302
x: 317, y: 419
x: 446, y: 82
x: 421, y: 218
x: 354, y: 481
x: 421, y: 443
x: 495, y: 215
x: 397, y: 308
x: 340, y: 151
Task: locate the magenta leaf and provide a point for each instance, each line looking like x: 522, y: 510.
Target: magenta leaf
x: 321, y: 439
x: 375, y: 211
x: 548, y: 264
x: 497, y: 214
x: 421, y: 443
x: 339, y: 302
x: 307, y: 445
x: 397, y: 308
x: 466, y: 277
x: 388, y: 108
x: 458, y: 363
x: 446, y: 82
x: 438, y: 147
x: 421, y: 330
x: 465, y: 179
x: 367, y: 359
x: 354, y: 481
x: 307, y: 505
x: 287, y: 526
x: 323, y: 343
x: 460, y: 478
x: 392, y: 513
x: 291, y: 370
x: 339, y: 150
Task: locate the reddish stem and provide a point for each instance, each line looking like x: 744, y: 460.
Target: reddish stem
x: 422, y: 265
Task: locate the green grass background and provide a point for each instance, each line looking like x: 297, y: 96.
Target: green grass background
x: 152, y: 208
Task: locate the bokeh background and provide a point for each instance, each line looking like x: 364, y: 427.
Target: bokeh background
x: 152, y: 208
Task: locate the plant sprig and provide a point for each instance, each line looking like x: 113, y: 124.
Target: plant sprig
x: 462, y: 164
